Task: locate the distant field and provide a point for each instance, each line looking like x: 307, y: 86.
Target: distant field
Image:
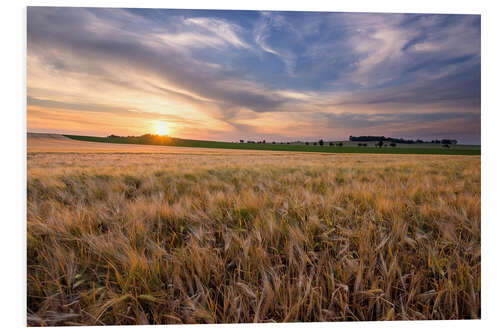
x: 350, y: 147
x: 55, y: 143
x: 230, y: 236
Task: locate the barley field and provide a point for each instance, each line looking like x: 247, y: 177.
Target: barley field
x: 224, y: 237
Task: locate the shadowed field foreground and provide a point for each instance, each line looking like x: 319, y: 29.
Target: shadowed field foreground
x: 226, y: 238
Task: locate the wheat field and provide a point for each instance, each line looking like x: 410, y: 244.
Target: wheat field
x: 225, y: 237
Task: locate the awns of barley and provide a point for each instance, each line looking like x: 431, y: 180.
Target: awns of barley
x: 170, y: 239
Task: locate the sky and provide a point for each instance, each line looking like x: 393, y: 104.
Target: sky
x: 253, y: 75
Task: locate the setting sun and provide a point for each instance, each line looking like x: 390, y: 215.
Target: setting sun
x: 161, y: 128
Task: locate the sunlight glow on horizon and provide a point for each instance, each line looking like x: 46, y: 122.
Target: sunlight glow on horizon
x: 161, y: 128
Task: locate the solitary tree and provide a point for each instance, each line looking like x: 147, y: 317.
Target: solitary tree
x: 320, y: 142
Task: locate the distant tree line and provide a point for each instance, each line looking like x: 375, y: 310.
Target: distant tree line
x: 143, y: 139
x: 379, y: 141
x: 273, y: 142
x: 400, y: 140
x: 320, y: 142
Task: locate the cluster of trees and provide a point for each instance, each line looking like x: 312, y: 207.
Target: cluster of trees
x: 446, y: 141
x: 380, y: 141
x: 143, y: 139
x: 252, y: 141
x: 379, y: 138
x: 320, y: 142
x: 400, y: 140
x: 264, y: 141
x: 381, y: 144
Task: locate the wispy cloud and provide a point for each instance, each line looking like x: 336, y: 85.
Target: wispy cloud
x: 199, y: 33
